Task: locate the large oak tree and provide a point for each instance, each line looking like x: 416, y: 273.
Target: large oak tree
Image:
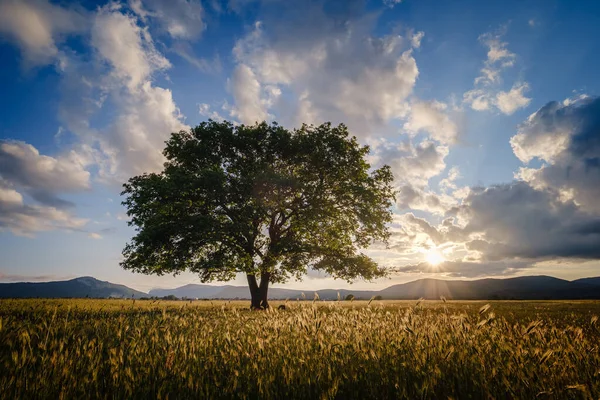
x: 259, y: 200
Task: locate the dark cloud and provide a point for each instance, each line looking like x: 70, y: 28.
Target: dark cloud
x: 517, y: 221
x: 566, y: 137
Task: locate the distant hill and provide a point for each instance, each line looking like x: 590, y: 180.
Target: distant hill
x: 521, y: 288
x: 191, y: 291
x: 78, y: 287
x: 242, y: 292
x: 589, y: 281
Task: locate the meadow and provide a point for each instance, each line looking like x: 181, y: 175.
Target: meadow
x: 65, y: 349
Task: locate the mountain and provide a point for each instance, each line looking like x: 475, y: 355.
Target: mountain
x: 242, y: 292
x: 189, y: 291
x: 589, y: 281
x: 524, y: 288
x: 79, y: 287
x: 521, y: 288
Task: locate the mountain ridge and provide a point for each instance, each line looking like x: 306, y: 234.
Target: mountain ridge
x: 85, y: 286
x: 539, y: 287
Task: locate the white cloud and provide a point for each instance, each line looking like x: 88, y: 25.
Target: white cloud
x: 416, y: 39
x: 552, y: 214
x: 25, y: 220
x: 449, y: 182
x: 497, y: 49
x: 134, y: 142
x: 121, y: 74
x: 413, y: 197
x: 36, y: 26
x: 431, y: 117
x: 127, y: 47
x: 250, y: 103
x: 478, y: 99
x: 182, y: 19
x: 486, y: 95
x: 206, y: 111
x: 326, y: 71
x: 42, y: 177
x: 511, y: 101
x: 411, y: 164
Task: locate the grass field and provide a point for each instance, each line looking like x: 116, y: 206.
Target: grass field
x: 312, y: 350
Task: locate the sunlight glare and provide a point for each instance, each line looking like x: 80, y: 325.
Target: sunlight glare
x: 433, y: 257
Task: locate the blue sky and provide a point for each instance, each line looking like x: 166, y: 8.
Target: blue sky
x: 479, y: 108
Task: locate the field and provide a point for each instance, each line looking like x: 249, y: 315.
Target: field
x: 65, y: 349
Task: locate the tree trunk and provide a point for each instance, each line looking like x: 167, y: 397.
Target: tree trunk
x: 258, y: 294
x: 264, y: 289
x: 254, y: 295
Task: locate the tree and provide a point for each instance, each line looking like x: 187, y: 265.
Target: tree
x: 259, y: 200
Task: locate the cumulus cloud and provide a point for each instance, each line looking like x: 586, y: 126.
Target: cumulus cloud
x: 36, y: 26
x: 413, y: 166
x: 133, y: 143
x: 121, y: 74
x: 565, y: 136
x: 496, y: 231
x: 42, y: 177
x: 335, y: 69
x: 498, y: 57
x: 25, y: 220
x: 485, y: 95
x: 431, y: 118
x: 412, y: 197
x: 126, y: 46
x: 511, y: 101
x: 551, y: 213
x: 419, y: 231
x: 517, y: 221
x: 205, y: 110
x: 332, y: 68
x: 251, y: 104
x: 411, y: 163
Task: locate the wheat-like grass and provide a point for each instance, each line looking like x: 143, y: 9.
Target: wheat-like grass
x: 314, y: 349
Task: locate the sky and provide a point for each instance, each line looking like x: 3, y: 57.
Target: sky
x: 486, y: 111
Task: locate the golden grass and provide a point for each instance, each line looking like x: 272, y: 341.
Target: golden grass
x: 313, y: 350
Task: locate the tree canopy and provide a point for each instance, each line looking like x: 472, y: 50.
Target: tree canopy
x: 260, y: 200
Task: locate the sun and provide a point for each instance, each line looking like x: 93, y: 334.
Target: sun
x: 433, y: 257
